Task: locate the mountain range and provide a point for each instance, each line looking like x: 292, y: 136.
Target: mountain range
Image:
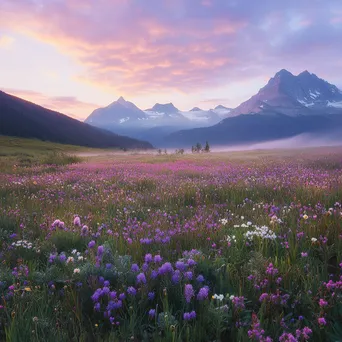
x: 286, y: 106
x: 25, y: 119
x: 154, y: 123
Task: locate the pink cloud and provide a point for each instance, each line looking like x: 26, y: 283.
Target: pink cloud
x: 135, y: 47
x: 68, y: 105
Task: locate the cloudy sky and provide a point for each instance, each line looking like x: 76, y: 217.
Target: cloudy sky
x: 76, y: 55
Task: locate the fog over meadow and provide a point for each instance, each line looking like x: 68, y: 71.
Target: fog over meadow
x: 299, y: 141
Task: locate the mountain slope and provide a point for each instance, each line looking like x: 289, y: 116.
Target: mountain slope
x: 252, y: 128
x: 117, y: 112
x: 293, y: 95
x: 167, y: 108
x: 25, y: 119
x: 286, y: 106
x: 124, y: 116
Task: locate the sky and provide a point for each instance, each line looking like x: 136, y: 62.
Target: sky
x: 77, y: 55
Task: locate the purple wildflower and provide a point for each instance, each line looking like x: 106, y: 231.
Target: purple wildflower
x: 91, y: 244
x: 176, y: 277
x: 188, y: 292
x: 135, y: 268
x: 200, y: 278
x: 132, y: 291
x: 321, y: 321
x: 152, y: 313
x: 84, y: 230
x: 158, y: 259
x: 150, y: 295
x: 77, y: 221
x: 188, y: 316
x: 148, y: 258
x: 100, y: 250
x: 188, y: 275
x: 141, y: 278
x: 203, y: 293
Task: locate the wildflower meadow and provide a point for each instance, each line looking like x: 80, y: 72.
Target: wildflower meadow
x: 211, y: 247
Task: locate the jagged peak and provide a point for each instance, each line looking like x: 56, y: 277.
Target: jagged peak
x: 304, y: 73
x: 221, y: 107
x: 283, y: 72
x: 164, y: 105
x: 195, y: 109
x: 121, y: 99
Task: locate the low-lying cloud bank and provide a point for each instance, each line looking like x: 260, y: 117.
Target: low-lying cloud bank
x: 299, y: 141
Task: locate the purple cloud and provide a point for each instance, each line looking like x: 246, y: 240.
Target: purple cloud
x: 138, y: 47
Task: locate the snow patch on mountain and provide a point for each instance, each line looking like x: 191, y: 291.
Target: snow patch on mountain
x: 334, y: 104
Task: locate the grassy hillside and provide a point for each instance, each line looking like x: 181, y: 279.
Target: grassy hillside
x: 22, y: 118
x: 21, y: 152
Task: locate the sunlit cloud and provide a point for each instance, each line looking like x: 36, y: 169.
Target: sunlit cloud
x: 66, y: 104
x: 6, y: 42
x: 136, y: 48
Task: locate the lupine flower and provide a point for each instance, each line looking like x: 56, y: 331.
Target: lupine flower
x: 132, y: 291
x: 91, y: 244
x: 84, y: 230
x: 150, y: 295
x: 135, y: 268
x: 188, y: 292
x: 239, y: 303
x: 180, y: 265
x: 145, y: 267
x: 176, y: 277
x: 203, y: 293
x: 188, y: 316
x: 141, y: 278
x: 322, y: 302
x: 321, y: 321
x: 188, y: 275
x: 287, y: 337
x: 271, y: 270
x: 152, y: 313
x: 100, y: 251
x: 200, y: 278
x: 77, y: 221
x: 148, y: 258
x: 158, y: 259
x: 165, y: 268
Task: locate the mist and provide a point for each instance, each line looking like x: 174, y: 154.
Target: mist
x: 296, y: 142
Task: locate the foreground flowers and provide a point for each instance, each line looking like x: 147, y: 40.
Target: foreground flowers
x: 186, y: 250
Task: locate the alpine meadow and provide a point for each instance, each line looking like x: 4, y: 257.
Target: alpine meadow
x: 170, y: 171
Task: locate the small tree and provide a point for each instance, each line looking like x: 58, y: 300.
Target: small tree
x: 193, y: 149
x: 198, y: 147
x: 207, y: 147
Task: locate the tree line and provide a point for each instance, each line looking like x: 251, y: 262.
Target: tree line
x: 198, y: 148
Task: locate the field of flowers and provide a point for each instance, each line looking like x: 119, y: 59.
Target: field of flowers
x: 218, y: 247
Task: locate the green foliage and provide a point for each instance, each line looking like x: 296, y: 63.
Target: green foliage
x: 59, y: 158
x: 170, y: 206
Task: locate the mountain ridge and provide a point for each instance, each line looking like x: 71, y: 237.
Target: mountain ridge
x: 287, y: 105
x: 25, y: 119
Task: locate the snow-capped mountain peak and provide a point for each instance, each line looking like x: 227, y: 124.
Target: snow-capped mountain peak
x: 292, y: 95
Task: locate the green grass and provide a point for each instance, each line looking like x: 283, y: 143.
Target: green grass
x: 25, y: 153
x: 134, y: 195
